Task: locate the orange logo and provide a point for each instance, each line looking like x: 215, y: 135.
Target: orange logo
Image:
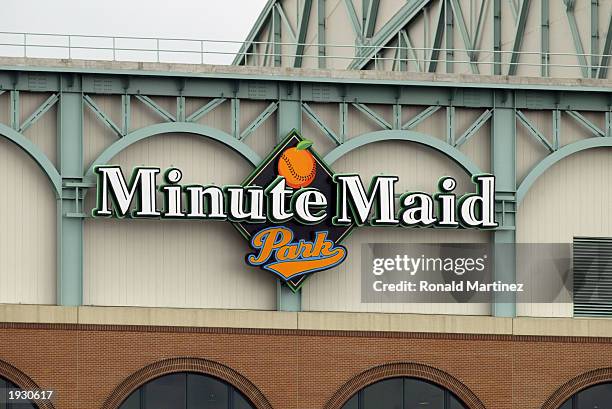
x: 297, y: 165
x: 293, y: 259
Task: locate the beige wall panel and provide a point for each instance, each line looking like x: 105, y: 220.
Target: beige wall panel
x: 174, y: 263
x: 97, y: 136
x: 419, y: 168
x: 43, y: 132
x: 529, y: 61
x: 567, y: 201
x: 561, y: 41
x: 28, y: 220
x: 339, y: 34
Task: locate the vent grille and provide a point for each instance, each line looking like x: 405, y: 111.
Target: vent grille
x: 592, y: 276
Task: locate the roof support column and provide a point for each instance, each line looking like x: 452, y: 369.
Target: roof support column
x: 503, y: 162
x: 69, y: 205
x: 289, y: 117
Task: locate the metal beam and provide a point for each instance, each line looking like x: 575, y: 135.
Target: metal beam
x: 586, y: 124
x: 420, y: 117
x: 397, y: 116
x: 261, y: 118
x: 276, y: 28
x: 350, y: 9
x: 40, y: 111
x: 571, y: 19
x: 165, y: 115
x: 388, y: 32
x: 302, y: 31
x: 321, y: 32
x: 205, y: 109
x: 255, y: 30
x: 413, y: 55
x: 106, y: 120
x: 372, y: 116
x: 310, y: 114
x: 497, y: 55
x: 450, y: 125
x: 450, y: 37
x: 594, y: 37
x: 286, y: 22
x: 533, y: 131
x: 126, y: 114
x: 556, y: 128
x: 467, y: 42
x: 343, y: 120
x: 478, y: 35
x: 235, y: 114
x: 545, y: 41
x: 607, y: 50
x: 180, y: 109
x: 474, y: 128
x: 70, y: 229
x: 518, y: 37
x: 437, y: 42
x: 14, y: 106
x: 371, y: 16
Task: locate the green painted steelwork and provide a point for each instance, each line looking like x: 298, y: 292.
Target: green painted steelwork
x: 437, y: 42
x: 302, y: 30
x: 174, y: 127
x: 370, y: 19
x: 555, y: 157
x: 161, y: 112
x: 556, y: 128
x: 257, y: 122
x: 235, y: 114
x: 533, y: 131
x: 321, y: 32
x: 355, y: 24
x: 478, y: 34
x: 36, y: 154
x: 105, y: 119
x: 199, y: 113
x: 605, y: 58
x: 450, y: 125
x: 126, y: 114
x: 276, y: 28
x: 388, y: 32
x: 14, y: 110
x: 497, y: 55
x: 449, y: 34
x: 467, y: 42
x: 320, y: 124
x: 343, y: 120
x: 39, y: 112
x: 545, y: 41
x: 372, y: 116
x: 261, y: 21
x: 289, y: 118
x: 474, y: 128
x: 409, y: 136
x: 420, y: 117
x: 571, y: 18
x: 180, y: 109
x: 70, y: 228
x: 586, y: 124
x: 594, y: 38
x: 410, y: 48
x: 286, y: 23
x: 503, y: 165
x: 397, y: 117
x: 518, y: 37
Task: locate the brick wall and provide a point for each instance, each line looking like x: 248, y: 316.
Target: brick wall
x: 296, y: 369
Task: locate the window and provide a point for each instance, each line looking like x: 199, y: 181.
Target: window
x: 5, y: 386
x: 595, y: 397
x: 592, y: 265
x: 186, y: 391
x: 403, y: 393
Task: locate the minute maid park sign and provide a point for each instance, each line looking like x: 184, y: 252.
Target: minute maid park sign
x: 293, y: 209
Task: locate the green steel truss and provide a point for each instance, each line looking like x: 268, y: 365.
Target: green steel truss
x: 450, y: 17
x: 291, y: 100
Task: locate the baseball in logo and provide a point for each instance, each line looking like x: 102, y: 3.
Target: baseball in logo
x: 291, y: 249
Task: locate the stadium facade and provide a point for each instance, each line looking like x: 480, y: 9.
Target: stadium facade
x: 162, y: 313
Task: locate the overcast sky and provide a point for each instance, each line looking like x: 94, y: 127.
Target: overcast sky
x: 198, y: 19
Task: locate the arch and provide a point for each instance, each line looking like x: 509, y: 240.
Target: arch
x: 9, y: 372
x: 35, y: 153
x: 196, y: 365
x: 577, y: 384
x: 555, y: 157
x: 401, y: 369
x: 411, y: 136
x: 173, y: 127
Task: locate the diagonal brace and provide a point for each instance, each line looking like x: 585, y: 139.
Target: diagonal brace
x: 40, y: 111
x: 420, y: 117
x: 373, y: 116
x: 167, y: 116
x: 102, y: 116
x: 194, y: 117
x: 533, y: 131
x: 474, y: 128
x: 586, y: 124
x: 320, y: 124
x: 261, y: 118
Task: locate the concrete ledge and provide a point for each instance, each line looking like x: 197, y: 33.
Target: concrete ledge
x: 316, y: 321
x: 301, y: 74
